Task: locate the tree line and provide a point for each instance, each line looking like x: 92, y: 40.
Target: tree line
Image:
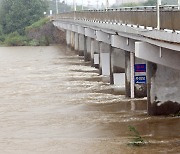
x: 147, y: 3
x: 15, y: 15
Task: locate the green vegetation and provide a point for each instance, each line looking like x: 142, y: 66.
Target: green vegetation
x: 14, y: 39
x: 37, y: 24
x: 147, y: 3
x: 150, y: 3
x: 176, y: 114
x: 137, y: 140
x: 169, y: 2
x: 130, y: 4
x: 15, y: 15
x: 18, y: 15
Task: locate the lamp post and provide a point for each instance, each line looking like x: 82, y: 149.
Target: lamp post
x: 97, y: 3
x: 74, y: 5
x: 107, y: 4
x: 57, y: 10
x: 82, y: 8
x: 158, y: 14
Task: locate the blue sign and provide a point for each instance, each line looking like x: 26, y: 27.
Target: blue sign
x: 140, y: 79
x: 140, y: 67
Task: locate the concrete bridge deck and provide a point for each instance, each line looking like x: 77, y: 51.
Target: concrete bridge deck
x: 126, y: 45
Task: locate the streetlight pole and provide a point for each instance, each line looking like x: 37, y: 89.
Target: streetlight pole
x: 178, y: 4
x: 97, y: 7
x: 82, y: 5
x: 74, y: 5
x: 57, y: 10
x: 107, y: 4
x: 158, y: 14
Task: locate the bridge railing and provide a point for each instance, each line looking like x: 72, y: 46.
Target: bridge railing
x: 140, y: 16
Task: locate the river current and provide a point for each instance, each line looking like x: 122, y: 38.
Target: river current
x: 53, y: 102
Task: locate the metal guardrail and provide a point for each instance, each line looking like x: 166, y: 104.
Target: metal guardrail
x: 141, y: 16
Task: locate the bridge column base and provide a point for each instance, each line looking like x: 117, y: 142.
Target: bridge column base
x: 117, y: 67
x: 163, y: 90
x: 87, y: 51
x: 76, y: 42
x: 96, y: 54
x: 68, y: 37
x: 127, y: 75
x: 105, y: 50
x: 72, y: 40
x: 81, y: 44
x: 92, y: 52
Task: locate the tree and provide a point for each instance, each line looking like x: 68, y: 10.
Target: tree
x: 150, y: 3
x: 62, y: 7
x: 164, y: 2
x: 15, y: 15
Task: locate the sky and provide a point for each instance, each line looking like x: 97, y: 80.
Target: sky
x: 91, y: 2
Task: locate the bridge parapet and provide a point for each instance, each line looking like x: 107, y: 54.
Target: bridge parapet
x: 138, y: 16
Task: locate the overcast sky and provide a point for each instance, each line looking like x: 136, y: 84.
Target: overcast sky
x: 91, y: 2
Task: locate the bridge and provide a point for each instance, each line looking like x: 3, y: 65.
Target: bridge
x: 137, y: 47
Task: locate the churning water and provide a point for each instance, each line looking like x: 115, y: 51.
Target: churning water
x: 51, y: 101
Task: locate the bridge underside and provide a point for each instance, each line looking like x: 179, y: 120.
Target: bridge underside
x: 144, y: 66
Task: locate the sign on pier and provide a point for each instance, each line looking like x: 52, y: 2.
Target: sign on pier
x: 140, y: 73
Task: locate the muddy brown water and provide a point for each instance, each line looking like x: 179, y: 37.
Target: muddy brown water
x: 52, y: 102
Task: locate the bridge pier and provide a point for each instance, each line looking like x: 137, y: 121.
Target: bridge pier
x: 87, y: 56
x: 81, y: 44
x: 95, y: 53
x: 163, y: 78
x: 81, y: 41
x: 76, y: 42
x: 105, y: 50
x: 72, y: 39
x: 163, y: 90
x: 68, y: 37
x: 85, y: 48
x: 90, y: 34
x: 118, y: 67
x: 127, y: 75
x: 92, y: 52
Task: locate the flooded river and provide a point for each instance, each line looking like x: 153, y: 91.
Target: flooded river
x: 52, y: 102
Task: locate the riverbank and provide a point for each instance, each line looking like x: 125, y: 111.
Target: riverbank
x: 40, y: 33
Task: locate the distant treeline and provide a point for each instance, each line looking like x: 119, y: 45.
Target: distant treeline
x: 16, y: 15
x: 147, y: 3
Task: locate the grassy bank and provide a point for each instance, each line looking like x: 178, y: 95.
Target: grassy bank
x: 37, y: 24
x: 15, y: 39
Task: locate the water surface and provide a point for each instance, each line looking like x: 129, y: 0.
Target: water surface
x: 51, y: 101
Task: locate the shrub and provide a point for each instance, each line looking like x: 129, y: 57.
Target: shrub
x: 44, y: 41
x: 34, y: 42
x: 137, y: 140
x: 2, y: 38
x: 14, y: 39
